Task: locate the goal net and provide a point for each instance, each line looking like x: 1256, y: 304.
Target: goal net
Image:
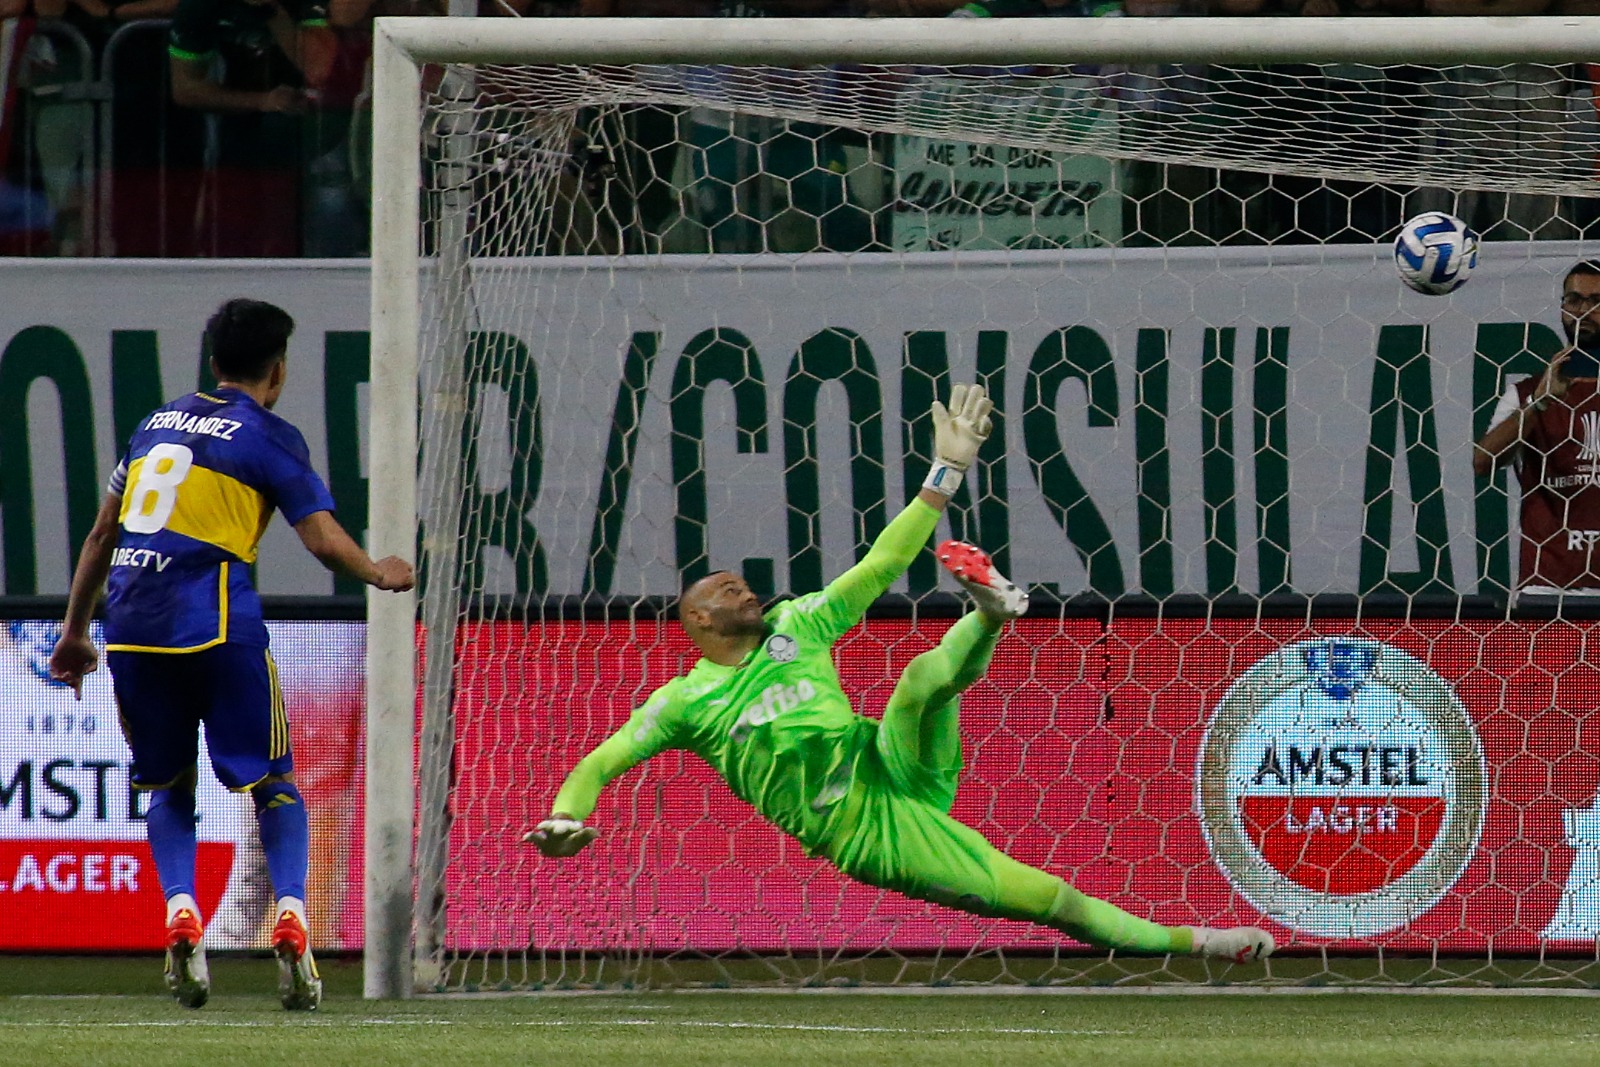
x: 669, y: 298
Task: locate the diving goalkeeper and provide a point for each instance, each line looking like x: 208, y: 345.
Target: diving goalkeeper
x: 764, y: 707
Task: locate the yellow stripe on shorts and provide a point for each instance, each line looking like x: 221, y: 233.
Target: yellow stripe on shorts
x: 280, y: 717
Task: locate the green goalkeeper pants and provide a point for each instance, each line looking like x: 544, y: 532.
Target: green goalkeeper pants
x: 894, y: 828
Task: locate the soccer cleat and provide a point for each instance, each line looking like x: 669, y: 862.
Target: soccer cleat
x: 299, y: 984
x: 1241, y: 944
x: 188, y: 977
x: 993, y: 593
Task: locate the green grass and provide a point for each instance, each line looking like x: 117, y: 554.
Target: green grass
x: 101, y: 1011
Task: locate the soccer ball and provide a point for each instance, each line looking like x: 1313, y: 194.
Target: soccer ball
x: 1435, y: 253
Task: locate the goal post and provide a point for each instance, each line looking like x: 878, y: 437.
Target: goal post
x: 566, y: 422
x: 390, y: 798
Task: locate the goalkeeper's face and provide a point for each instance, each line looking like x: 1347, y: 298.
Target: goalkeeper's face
x: 722, y: 604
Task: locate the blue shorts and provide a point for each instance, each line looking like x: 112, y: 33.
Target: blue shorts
x: 163, y: 699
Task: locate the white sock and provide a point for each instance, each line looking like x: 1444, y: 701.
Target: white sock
x: 296, y: 905
x: 1201, y: 936
x: 178, y: 901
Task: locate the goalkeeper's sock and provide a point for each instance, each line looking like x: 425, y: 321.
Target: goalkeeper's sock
x: 933, y: 681
x: 285, y: 836
x: 961, y: 656
x: 1024, y: 892
x: 170, y: 827
x: 1108, y: 926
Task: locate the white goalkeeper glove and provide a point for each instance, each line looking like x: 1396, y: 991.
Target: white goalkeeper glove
x: 560, y: 837
x: 958, y: 432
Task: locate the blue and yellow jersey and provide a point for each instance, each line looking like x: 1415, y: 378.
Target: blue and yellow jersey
x: 200, y: 481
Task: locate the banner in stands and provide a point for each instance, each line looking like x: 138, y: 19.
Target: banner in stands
x: 973, y: 196
x: 1286, y: 420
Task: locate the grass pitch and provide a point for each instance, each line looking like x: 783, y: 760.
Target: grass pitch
x: 97, y: 1011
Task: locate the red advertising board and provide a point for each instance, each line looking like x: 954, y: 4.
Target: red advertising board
x: 1412, y: 785
x: 75, y: 871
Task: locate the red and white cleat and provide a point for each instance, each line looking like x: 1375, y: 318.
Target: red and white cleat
x: 299, y: 984
x: 994, y: 594
x: 188, y: 977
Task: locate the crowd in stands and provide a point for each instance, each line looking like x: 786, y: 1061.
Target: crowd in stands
x: 231, y: 128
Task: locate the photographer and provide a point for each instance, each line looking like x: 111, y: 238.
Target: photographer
x: 1548, y: 426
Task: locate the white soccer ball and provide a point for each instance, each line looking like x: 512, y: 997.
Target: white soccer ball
x: 1435, y: 253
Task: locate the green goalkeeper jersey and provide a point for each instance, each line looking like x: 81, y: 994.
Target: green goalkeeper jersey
x: 777, y: 726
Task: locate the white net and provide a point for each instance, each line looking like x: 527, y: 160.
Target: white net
x: 680, y: 318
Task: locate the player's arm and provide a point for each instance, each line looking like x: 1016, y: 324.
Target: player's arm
x: 303, y: 34
x: 336, y: 550
x: 563, y: 833
x: 284, y: 465
x: 192, y: 87
x: 649, y: 730
x: 1500, y: 444
x: 74, y: 655
x: 958, y: 432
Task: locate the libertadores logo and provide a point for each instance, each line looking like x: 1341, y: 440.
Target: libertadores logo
x: 1341, y: 787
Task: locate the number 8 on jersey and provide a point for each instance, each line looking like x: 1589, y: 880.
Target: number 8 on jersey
x: 152, y: 498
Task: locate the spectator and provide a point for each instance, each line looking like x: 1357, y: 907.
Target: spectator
x: 1548, y: 426
x: 100, y: 18
x: 645, y: 198
x: 64, y: 116
x: 27, y: 215
x: 274, y: 57
x: 1511, y: 114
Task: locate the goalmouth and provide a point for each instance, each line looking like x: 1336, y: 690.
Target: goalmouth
x: 560, y: 392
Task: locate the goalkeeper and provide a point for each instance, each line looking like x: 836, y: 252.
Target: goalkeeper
x: 764, y: 707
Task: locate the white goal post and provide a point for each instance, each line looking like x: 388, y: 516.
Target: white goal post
x: 399, y: 940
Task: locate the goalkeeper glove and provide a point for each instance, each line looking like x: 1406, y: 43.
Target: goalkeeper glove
x: 560, y: 837
x: 958, y: 432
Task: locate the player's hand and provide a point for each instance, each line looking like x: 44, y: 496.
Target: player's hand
x: 560, y: 837
x: 394, y: 575
x: 73, y: 658
x: 283, y: 99
x: 960, y: 429
x: 1554, y: 384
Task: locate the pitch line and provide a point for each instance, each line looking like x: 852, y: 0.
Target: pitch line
x: 1173, y: 989
x: 830, y: 1029
x: 568, y: 1024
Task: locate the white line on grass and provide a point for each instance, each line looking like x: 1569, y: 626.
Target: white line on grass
x: 568, y: 1024
x: 1170, y: 990
x: 831, y: 1029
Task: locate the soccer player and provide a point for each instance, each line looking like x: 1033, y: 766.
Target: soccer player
x: 176, y: 535
x: 765, y: 708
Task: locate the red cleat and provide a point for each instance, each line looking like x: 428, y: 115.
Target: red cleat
x: 992, y: 593
x: 299, y: 984
x: 188, y: 977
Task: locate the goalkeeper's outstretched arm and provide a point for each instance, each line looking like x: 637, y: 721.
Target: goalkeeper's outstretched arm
x: 563, y: 833
x: 958, y: 432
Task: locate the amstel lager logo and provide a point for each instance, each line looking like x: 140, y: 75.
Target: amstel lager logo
x: 1341, y: 787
